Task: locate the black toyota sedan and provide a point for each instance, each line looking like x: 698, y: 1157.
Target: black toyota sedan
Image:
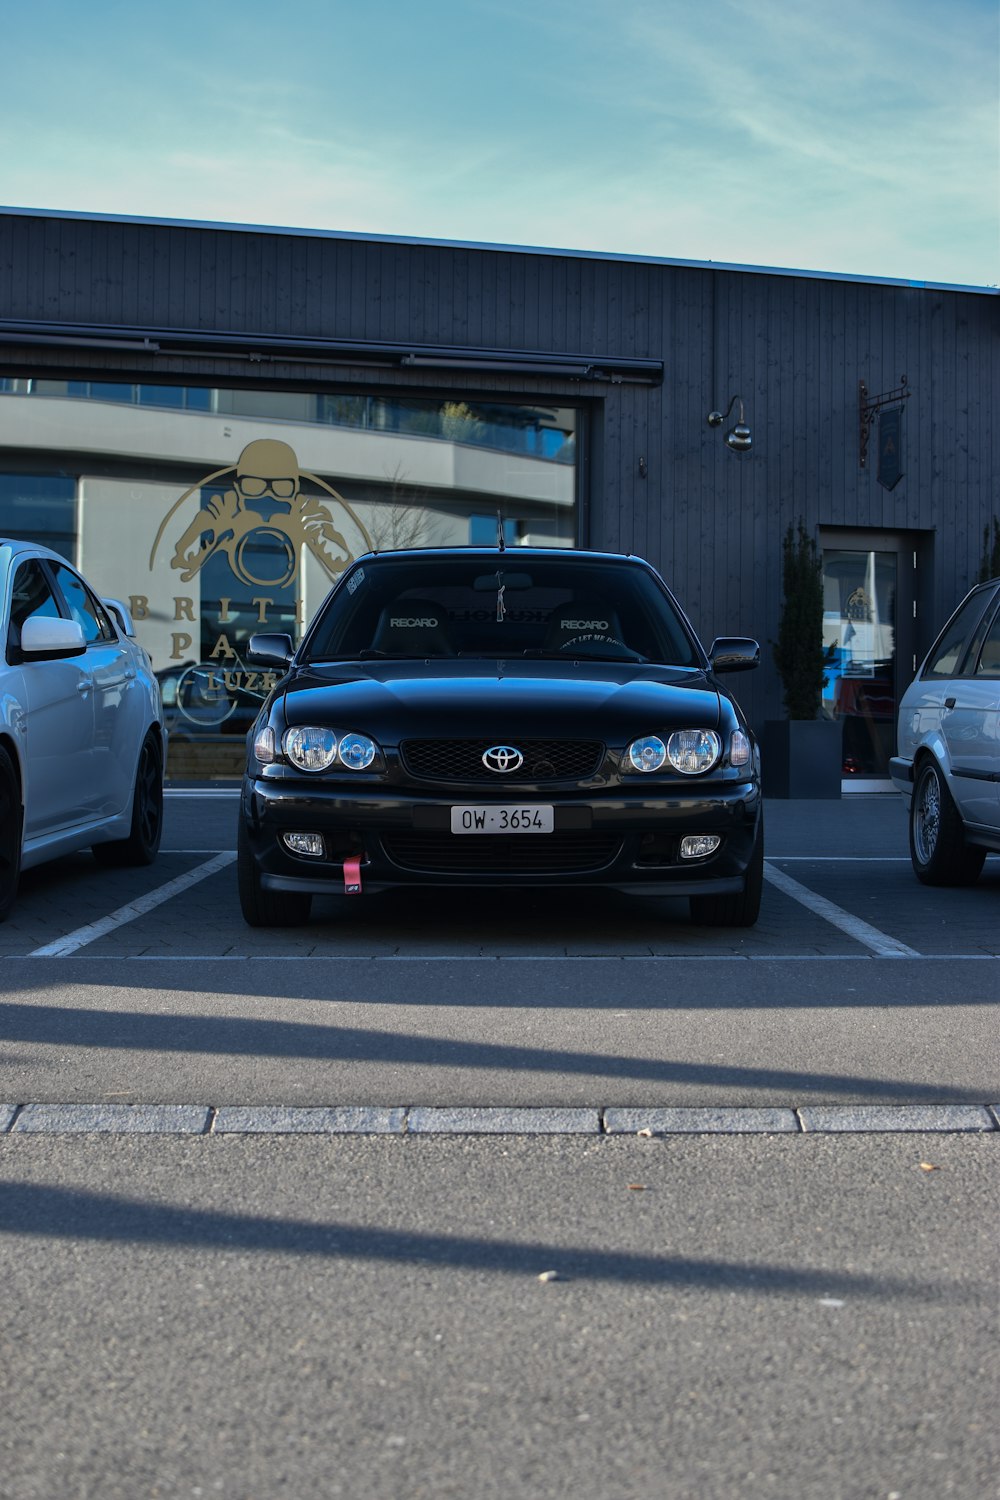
x: 521, y: 718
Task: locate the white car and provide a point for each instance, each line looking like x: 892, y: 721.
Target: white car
x: 948, y: 764
x: 82, y: 742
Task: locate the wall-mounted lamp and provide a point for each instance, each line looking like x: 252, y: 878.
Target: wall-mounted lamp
x: 738, y: 438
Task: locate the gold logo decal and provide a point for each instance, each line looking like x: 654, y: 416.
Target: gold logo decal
x: 262, y: 520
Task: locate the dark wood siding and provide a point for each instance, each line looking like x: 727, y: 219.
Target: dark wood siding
x: 662, y: 483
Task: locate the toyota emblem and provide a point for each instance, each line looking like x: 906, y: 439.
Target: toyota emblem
x: 503, y: 759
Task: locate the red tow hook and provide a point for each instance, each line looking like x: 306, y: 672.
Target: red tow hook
x: 352, y: 876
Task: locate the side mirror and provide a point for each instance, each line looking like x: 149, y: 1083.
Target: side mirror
x: 121, y: 615
x: 270, y: 650
x: 52, y: 638
x: 734, y: 653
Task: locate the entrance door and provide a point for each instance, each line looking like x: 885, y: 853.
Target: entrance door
x: 869, y: 588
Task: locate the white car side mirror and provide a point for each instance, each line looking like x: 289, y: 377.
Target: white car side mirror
x: 42, y: 636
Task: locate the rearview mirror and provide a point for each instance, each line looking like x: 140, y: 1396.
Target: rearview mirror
x: 489, y: 582
x: 270, y: 650
x: 734, y: 653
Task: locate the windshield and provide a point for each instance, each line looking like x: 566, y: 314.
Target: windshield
x: 500, y: 606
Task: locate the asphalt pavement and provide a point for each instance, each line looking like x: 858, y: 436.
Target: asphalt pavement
x: 461, y: 1196
x: 687, y: 1319
x: 858, y: 986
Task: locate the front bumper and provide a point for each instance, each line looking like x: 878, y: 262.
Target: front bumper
x: 623, y: 839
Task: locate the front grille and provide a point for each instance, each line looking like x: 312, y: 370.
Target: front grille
x: 501, y: 854
x: 462, y: 760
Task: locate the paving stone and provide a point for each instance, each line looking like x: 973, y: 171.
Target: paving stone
x: 119, y: 1119
x: 890, y: 1117
x: 7, y: 1113
x: 278, y: 1120
x: 701, y: 1121
x: 427, y: 1120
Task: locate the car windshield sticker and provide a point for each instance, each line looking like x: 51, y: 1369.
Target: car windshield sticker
x: 501, y: 607
x: 356, y: 580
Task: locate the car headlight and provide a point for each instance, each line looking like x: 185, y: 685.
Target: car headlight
x: 647, y: 754
x: 310, y: 748
x: 692, y: 751
x: 357, y: 752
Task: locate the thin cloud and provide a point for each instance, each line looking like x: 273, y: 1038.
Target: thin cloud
x: 861, y: 141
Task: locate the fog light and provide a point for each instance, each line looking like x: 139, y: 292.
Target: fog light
x: 697, y: 845
x: 305, y: 843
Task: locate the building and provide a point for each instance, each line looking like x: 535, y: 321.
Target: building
x: 212, y: 420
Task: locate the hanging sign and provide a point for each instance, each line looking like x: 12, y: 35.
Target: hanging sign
x: 890, y: 447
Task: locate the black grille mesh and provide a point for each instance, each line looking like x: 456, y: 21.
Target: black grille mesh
x: 501, y: 854
x: 462, y: 760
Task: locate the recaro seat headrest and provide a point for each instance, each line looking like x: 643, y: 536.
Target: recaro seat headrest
x: 413, y: 627
x: 583, y: 620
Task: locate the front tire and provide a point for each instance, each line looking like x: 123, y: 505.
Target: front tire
x: 938, y: 850
x: 741, y: 910
x: 143, y: 842
x: 10, y: 833
x: 260, y: 907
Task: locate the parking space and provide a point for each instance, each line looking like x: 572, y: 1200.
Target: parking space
x: 857, y: 984
x: 933, y: 922
x: 72, y: 893
x: 839, y: 886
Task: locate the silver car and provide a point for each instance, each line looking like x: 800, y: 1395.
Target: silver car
x: 948, y: 764
x: 82, y: 742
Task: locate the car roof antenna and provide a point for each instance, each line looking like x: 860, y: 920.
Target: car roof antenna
x: 501, y: 539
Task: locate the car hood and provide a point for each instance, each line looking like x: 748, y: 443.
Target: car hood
x: 391, y: 700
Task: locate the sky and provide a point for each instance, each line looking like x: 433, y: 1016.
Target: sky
x: 857, y: 137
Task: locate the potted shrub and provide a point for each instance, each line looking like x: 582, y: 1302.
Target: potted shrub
x: 803, y: 752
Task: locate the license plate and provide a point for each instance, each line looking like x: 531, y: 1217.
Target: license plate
x: 490, y: 818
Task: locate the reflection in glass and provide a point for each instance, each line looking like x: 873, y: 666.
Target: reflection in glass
x: 859, y: 633
x: 215, y: 513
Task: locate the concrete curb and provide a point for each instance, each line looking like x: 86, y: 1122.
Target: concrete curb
x: 525, y: 1121
x: 278, y: 1120
x: 111, y: 1119
x: 895, y: 1117
x: 196, y: 1119
x: 693, y: 1121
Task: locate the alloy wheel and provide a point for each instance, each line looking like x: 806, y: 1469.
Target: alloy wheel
x: 927, y: 818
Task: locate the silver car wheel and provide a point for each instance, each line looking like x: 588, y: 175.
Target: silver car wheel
x: 927, y: 816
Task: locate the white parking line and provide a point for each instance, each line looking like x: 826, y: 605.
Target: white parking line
x: 84, y: 935
x: 878, y: 943
x: 862, y: 932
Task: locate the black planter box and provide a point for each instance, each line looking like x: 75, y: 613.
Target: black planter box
x: 802, y: 757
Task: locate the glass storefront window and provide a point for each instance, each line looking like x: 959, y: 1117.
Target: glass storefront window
x: 39, y: 508
x: 216, y: 512
x: 859, y: 635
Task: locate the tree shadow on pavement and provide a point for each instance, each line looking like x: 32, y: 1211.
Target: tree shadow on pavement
x: 77, y: 1215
